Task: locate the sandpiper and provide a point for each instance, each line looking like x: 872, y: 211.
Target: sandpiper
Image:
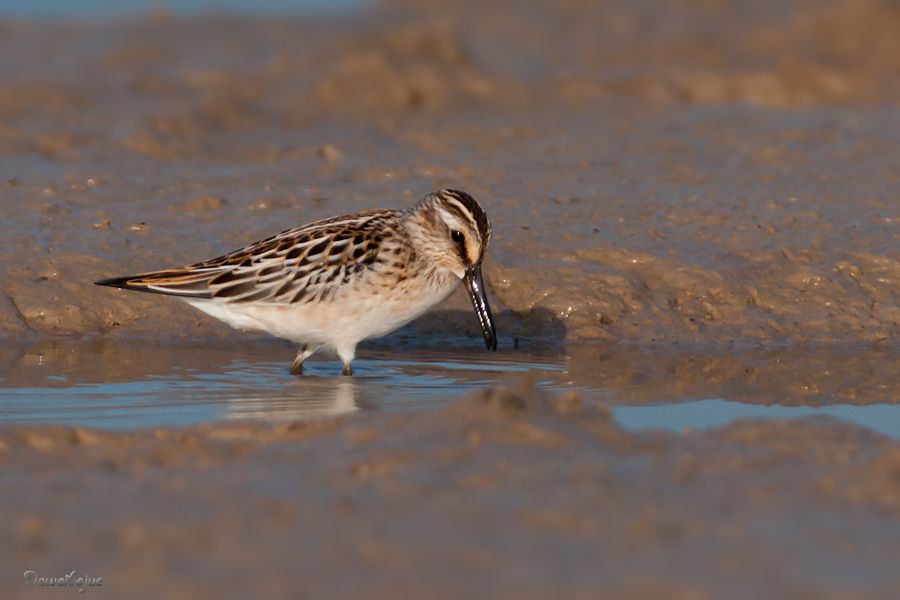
x: 333, y: 283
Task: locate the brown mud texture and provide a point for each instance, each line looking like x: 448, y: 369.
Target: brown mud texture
x: 505, y: 493
x: 693, y: 174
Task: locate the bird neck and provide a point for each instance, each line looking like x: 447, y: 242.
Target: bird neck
x: 420, y: 224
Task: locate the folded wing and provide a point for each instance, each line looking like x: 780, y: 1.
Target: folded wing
x: 304, y: 264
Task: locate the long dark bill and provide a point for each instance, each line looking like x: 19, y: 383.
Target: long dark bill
x: 475, y: 285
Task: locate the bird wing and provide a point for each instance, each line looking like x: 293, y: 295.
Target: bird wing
x: 303, y: 264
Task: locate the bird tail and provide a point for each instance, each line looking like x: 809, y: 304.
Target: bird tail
x: 188, y: 283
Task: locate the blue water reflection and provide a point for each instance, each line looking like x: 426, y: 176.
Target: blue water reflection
x: 703, y: 414
x: 261, y: 390
x: 240, y: 388
x: 92, y: 9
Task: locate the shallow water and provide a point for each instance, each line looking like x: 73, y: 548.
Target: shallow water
x: 133, y: 385
x: 716, y: 412
x: 100, y: 9
x: 263, y: 389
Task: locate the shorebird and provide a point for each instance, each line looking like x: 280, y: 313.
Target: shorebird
x: 330, y: 284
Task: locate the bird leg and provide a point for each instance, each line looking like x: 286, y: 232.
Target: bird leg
x: 347, y: 354
x: 302, y: 354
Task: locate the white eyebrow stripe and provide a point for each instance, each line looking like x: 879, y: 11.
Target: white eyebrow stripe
x: 448, y: 217
x: 462, y: 209
x: 472, y: 224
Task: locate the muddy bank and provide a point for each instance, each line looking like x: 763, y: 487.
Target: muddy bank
x: 699, y: 175
x: 675, y: 226
x: 504, y: 492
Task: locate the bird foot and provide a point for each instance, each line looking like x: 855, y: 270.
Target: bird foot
x: 302, y: 354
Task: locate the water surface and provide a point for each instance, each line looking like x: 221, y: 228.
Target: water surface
x: 92, y: 9
x: 116, y: 385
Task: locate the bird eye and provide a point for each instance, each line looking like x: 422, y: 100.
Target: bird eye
x: 457, y: 236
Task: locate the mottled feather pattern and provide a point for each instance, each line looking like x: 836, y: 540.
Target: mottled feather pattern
x: 303, y: 264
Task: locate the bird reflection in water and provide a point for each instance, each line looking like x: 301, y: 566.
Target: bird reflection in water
x: 310, y: 397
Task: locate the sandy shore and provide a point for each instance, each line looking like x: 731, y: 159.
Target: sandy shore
x: 503, y: 493
x: 690, y: 188
x: 669, y: 183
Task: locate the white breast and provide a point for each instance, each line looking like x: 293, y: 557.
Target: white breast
x: 352, y: 315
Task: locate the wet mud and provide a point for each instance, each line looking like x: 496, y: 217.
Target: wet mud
x: 706, y: 195
x: 690, y: 200
x: 505, y: 492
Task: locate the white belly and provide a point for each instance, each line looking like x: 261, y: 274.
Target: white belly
x: 350, y: 317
